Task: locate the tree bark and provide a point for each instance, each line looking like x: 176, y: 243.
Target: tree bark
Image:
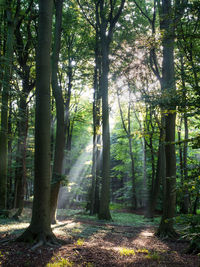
x: 60, y: 128
x: 169, y: 88
x: 160, y: 177
x: 4, y: 108
x: 94, y: 198
x: 40, y: 226
x: 104, y: 212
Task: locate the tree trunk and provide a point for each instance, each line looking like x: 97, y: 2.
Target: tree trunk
x: 20, y: 172
x: 104, y: 212
x: 40, y: 226
x: 10, y: 158
x: 160, y: 176
x: 186, y: 196
x: 60, y: 128
x: 4, y: 109
x: 94, y: 199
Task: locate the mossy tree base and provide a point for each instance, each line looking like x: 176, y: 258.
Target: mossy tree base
x: 166, y: 231
x: 105, y: 216
x: 38, y: 239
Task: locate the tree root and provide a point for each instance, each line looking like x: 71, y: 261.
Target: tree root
x: 38, y: 239
x: 167, y: 234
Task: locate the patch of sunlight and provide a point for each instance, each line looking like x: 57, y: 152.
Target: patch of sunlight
x: 13, y: 227
x: 131, y: 252
x: 61, y: 228
x: 127, y: 252
x: 76, y: 231
x: 146, y: 233
x: 154, y: 256
x: 60, y: 262
x: 80, y: 242
x: 143, y: 251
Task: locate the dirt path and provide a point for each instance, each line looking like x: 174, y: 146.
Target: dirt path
x: 93, y: 244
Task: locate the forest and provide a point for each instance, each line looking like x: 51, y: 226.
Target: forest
x: 99, y: 133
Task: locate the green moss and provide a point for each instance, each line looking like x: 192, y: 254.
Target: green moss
x: 62, y: 262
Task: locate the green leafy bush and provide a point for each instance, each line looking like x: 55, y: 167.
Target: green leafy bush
x: 190, y: 230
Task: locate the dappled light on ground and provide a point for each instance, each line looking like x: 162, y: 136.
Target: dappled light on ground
x: 89, y: 242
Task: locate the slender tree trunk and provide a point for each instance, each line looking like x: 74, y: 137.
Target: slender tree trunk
x: 160, y: 176
x: 20, y: 174
x: 186, y: 196
x: 4, y: 109
x: 94, y: 201
x: 144, y: 190
x: 10, y: 158
x: 60, y: 128
x: 68, y: 123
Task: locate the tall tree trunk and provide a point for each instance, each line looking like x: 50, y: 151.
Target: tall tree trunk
x: 186, y: 197
x: 20, y: 173
x: 40, y: 226
x: 160, y: 176
x: 60, y: 128
x: 68, y: 123
x: 10, y: 158
x: 4, y: 108
x: 169, y: 88
x: 104, y: 212
x: 94, y: 198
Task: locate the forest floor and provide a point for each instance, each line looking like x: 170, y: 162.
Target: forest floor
x: 127, y: 241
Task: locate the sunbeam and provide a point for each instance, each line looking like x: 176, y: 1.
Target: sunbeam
x: 78, y: 174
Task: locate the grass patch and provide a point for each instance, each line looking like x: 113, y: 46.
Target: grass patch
x: 129, y: 219
x: 124, y: 219
x: 68, y: 212
x: 127, y: 252
x: 80, y: 242
x: 60, y: 262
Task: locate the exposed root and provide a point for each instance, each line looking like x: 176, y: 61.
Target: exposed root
x: 38, y: 239
x: 6, y: 241
x: 167, y: 234
x: 39, y: 244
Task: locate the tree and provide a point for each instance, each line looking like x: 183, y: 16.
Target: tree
x: 40, y: 226
x: 23, y: 52
x: 128, y: 133
x: 106, y: 24
x: 10, y: 20
x: 168, y: 86
x: 60, y: 127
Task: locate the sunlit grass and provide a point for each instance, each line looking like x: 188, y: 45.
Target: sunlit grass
x: 80, y: 242
x: 124, y: 219
x: 155, y: 256
x: 127, y: 252
x: 60, y: 262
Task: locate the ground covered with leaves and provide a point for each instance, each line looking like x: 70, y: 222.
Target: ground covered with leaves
x: 127, y: 241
